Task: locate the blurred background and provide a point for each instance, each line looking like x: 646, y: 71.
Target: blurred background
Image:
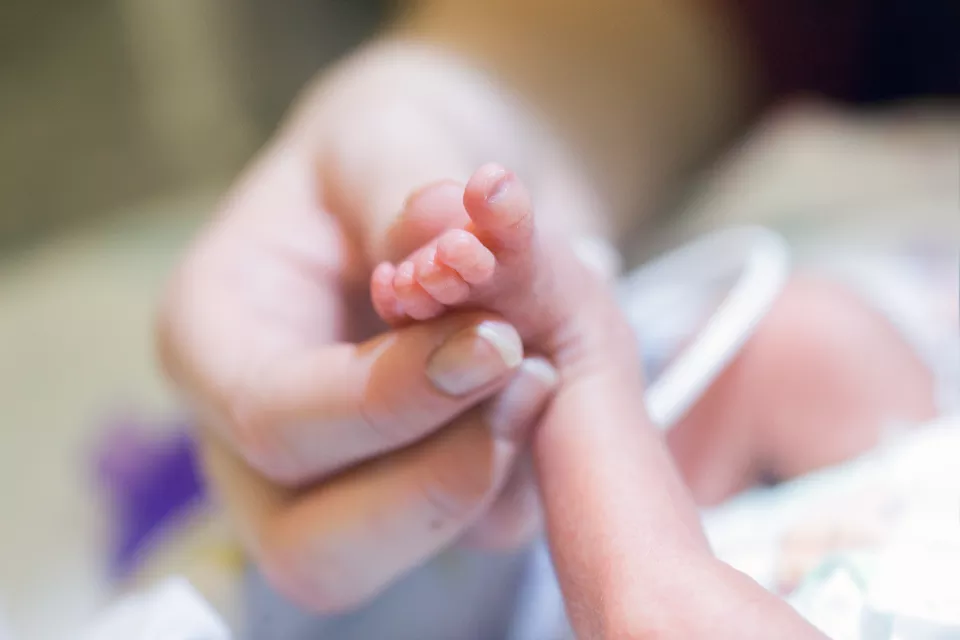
x: 107, y: 102
x: 121, y: 121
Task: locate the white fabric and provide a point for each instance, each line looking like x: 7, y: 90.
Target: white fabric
x: 172, y: 610
x: 716, y: 289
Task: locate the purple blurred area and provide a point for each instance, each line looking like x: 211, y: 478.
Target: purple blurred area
x: 151, y: 481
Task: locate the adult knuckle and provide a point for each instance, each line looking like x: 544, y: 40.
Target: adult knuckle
x: 397, y: 414
x: 447, y: 502
x: 310, y: 578
x: 255, y: 435
x: 388, y: 424
x: 455, y: 489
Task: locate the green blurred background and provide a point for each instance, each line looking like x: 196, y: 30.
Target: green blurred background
x: 107, y: 102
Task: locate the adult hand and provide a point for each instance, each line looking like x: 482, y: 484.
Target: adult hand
x: 329, y: 453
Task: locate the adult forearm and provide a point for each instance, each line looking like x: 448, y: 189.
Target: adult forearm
x: 641, y: 90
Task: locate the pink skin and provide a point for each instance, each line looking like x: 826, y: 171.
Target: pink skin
x: 814, y: 386
x: 438, y: 275
x: 494, y: 262
x: 441, y: 272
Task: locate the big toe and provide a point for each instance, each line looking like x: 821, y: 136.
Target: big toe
x: 500, y: 209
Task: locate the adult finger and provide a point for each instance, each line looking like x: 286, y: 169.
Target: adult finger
x: 311, y: 414
x: 331, y: 547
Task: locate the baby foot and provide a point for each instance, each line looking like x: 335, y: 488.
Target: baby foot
x: 497, y: 262
x: 500, y: 262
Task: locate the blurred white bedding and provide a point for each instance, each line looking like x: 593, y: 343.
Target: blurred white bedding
x: 858, y: 547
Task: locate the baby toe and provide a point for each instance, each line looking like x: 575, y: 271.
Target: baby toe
x: 500, y: 208
x: 463, y: 252
x: 417, y: 303
x: 440, y: 281
x: 383, y: 295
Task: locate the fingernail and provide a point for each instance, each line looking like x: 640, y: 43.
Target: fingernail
x: 511, y: 413
x: 475, y: 357
x: 500, y: 187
